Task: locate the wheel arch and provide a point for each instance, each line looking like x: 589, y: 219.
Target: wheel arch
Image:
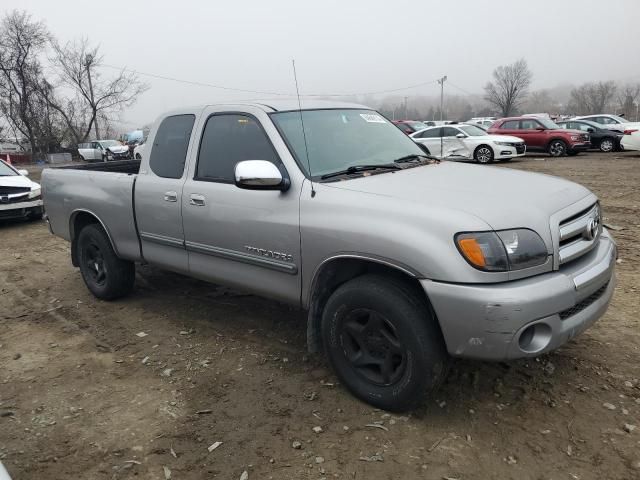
x: 335, y: 271
x: 553, y: 139
x: 79, y: 219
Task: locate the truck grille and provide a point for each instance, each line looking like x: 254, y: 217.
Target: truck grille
x: 579, y: 234
x: 578, y: 307
x: 5, y: 190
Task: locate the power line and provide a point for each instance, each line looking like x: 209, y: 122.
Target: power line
x: 460, y: 88
x: 263, y: 92
x: 190, y: 82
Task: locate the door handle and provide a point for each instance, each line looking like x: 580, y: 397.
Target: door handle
x: 170, y: 197
x: 197, y: 200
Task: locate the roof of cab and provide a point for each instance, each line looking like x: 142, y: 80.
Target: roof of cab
x: 270, y: 106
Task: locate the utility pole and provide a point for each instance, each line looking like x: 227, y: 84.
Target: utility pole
x: 441, y: 83
x: 88, y: 61
x: 405, y: 109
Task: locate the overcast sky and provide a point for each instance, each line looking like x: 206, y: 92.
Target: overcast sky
x: 343, y: 46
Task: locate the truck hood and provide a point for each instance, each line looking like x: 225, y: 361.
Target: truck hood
x: 501, y: 197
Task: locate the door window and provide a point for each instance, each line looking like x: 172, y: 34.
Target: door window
x: 431, y: 133
x: 529, y: 124
x: 510, y: 125
x: 449, y: 132
x: 228, y: 139
x: 169, y: 150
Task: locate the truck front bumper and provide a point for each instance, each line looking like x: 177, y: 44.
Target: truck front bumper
x: 525, y: 318
x: 21, y: 209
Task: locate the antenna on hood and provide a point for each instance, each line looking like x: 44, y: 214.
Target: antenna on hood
x: 304, y: 134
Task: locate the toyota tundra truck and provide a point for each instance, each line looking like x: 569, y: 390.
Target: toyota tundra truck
x: 401, y: 261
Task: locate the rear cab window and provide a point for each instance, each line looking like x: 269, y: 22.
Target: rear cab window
x: 169, y: 150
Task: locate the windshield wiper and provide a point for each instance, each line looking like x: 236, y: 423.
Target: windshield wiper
x: 360, y: 168
x: 413, y: 157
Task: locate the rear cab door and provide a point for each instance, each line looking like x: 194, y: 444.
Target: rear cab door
x: 244, y: 238
x: 158, y: 191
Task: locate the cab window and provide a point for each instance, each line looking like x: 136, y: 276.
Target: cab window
x: 228, y: 139
x: 169, y: 150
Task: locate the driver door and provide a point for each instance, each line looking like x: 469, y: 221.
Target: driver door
x: 452, y: 146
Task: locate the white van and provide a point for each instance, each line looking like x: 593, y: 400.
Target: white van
x: 103, y: 150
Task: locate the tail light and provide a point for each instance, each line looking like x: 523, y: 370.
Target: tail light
x: 630, y: 131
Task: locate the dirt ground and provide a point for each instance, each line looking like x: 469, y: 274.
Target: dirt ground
x: 140, y: 388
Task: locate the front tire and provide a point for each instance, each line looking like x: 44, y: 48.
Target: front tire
x: 106, y: 276
x: 557, y: 148
x: 383, y: 342
x: 607, y: 145
x: 483, y: 154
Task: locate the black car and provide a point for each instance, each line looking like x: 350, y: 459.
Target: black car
x: 601, y: 138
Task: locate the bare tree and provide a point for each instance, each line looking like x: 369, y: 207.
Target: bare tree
x: 628, y: 99
x: 22, y: 40
x: 541, y: 101
x: 592, y: 98
x: 509, y: 87
x: 78, y: 68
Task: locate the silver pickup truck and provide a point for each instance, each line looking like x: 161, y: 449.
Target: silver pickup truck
x: 401, y: 261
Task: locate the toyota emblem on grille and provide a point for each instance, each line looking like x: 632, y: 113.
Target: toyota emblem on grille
x: 593, y: 227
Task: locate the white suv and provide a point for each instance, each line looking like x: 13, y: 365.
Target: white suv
x: 468, y: 142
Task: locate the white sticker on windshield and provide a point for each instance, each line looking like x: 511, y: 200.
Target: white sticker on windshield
x: 372, y: 118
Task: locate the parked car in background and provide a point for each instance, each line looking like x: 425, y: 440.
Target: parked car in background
x: 631, y: 139
x: 19, y: 196
x: 103, y: 151
x: 463, y: 261
x: 409, y: 126
x: 610, y: 122
x: 543, y: 135
x: 468, y: 142
x: 601, y: 138
x: 482, y: 121
x: 139, y: 149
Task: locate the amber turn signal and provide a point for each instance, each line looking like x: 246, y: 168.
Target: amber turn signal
x: 472, y: 251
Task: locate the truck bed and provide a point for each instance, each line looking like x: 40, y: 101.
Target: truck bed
x: 120, y: 166
x: 103, y: 190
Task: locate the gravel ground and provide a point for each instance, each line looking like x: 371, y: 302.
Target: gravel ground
x: 143, y: 386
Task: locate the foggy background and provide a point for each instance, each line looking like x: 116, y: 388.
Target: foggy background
x: 347, y: 47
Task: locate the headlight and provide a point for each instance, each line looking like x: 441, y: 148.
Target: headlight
x: 35, y: 193
x: 504, y: 144
x: 575, y: 137
x: 502, y: 251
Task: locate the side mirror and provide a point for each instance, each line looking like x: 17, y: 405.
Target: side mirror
x: 461, y: 135
x: 590, y: 130
x: 24, y: 173
x: 260, y: 175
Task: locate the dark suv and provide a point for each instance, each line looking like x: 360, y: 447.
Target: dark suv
x: 543, y: 135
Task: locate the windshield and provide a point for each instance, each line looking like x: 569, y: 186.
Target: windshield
x: 338, y: 139
x: 109, y: 143
x: 546, y: 123
x: 6, y: 170
x: 472, y: 130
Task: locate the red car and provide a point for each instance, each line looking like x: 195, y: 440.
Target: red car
x: 543, y: 135
x: 409, y: 126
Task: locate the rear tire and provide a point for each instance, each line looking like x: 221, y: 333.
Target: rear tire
x: 106, y: 276
x: 483, y: 154
x: 383, y: 342
x: 557, y: 148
